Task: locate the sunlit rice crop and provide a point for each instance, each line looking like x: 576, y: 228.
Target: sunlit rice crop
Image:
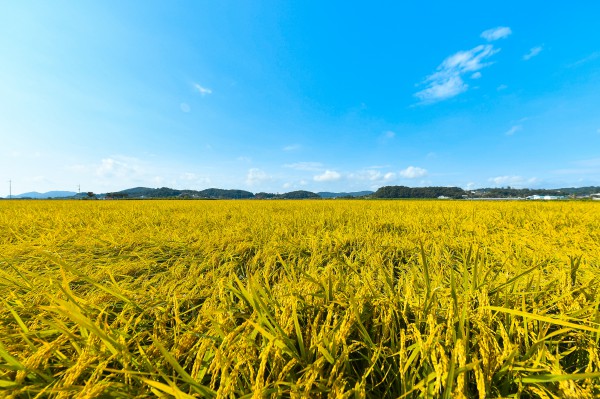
x: 299, y: 299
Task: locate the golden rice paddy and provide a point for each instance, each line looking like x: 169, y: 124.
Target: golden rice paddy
x: 299, y: 299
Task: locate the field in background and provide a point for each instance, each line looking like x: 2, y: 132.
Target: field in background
x: 299, y: 299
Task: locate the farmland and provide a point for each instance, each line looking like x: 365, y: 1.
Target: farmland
x: 356, y: 299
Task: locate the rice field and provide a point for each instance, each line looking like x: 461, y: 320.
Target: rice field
x: 299, y: 299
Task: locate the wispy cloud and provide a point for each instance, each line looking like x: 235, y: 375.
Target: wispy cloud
x: 256, y: 176
x: 499, y: 32
x: 190, y: 177
x: 118, y: 168
x: 592, y: 162
x: 413, y: 172
x: 202, y: 90
x: 591, y: 57
x: 294, y: 185
x: 386, y: 137
x: 532, y: 53
x: 514, y: 129
x: 308, y: 166
x: 372, y: 175
x: 590, y: 168
x: 517, y: 181
x: 328, y: 175
x: 447, y: 81
x: 292, y: 147
x: 476, y: 75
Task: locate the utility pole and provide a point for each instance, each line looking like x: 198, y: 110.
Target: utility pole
x: 10, y: 189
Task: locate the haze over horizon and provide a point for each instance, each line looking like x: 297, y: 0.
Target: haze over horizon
x: 275, y: 97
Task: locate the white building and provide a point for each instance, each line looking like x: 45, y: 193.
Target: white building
x: 544, y: 197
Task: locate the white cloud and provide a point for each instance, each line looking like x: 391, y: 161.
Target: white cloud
x: 443, y: 89
x: 532, y: 53
x: 370, y: 178
x: 413, y: 172
x: 256, y: 176
x: 476, y: 75
x: 115, y: 168
x: 368, y: 174
x: 185, y: 107
x: 447, y: 81
x: 386, y: 137
x: 292, y: 147
x: 294, y: 184
x: 328, y: 175
x: 202, y: 90
x: 372, y: 175
x: 194, y: 178
x: 389, y: 176
x: 308, y: 166
x: 502, y: 87
x: 499, y: 32
x: 517, y: 181
x: 514, y: 129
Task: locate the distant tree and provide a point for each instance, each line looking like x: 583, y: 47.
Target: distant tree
x: 116, y: 195
x: 263, y: 195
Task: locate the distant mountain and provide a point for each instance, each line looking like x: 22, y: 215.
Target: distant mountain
x: 218, y: 193
x: 326, y: 194
x: 49, y: 194
x: 165, y: 192
x: 209, y: 193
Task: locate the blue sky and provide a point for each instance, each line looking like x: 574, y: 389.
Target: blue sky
x: 280, y: 96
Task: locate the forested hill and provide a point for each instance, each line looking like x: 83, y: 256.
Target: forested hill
x: 210, y: 193
x: 418, y: 192
x: 165, y: 192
